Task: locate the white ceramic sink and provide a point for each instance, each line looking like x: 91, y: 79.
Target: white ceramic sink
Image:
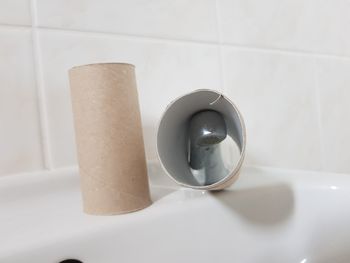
x: 267, y: 216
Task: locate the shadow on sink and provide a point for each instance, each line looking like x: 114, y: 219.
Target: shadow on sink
x: 265, y: 205
x: 158, y: 193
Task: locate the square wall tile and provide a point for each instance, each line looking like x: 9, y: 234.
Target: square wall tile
x: 19, y: 133
x: 333, y: 77
x: 276, y: 94
x: 195, y: 20
x: 164, y: 71
x: 15, y: 12
x: 311, y: 25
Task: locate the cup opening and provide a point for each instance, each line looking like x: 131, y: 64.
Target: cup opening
x: 172, y: 139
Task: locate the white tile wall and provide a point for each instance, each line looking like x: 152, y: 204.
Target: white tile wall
x: 164, y: 71
x: 285, y: 63
x: 19, y: 122
x: 305, y: 25
x: 277, y: 97
x: 179, y: 19
x: 333, y: 77
x: 15, y: 12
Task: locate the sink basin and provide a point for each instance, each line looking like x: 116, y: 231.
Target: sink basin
x: 269, y: 215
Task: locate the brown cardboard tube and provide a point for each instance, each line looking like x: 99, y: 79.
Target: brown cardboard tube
x: 108, y: 132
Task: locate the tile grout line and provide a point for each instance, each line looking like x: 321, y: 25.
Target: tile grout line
x: 241, y: 47
x: 319, y: 112
x: 42, y: 110
x: 128, y: 36
x: 286, y: 52
x: 12, y: 26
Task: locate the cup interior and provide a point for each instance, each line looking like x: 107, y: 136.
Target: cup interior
x: 172, y: 138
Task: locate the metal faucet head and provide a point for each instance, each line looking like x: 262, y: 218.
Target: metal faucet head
x: 207, y: 128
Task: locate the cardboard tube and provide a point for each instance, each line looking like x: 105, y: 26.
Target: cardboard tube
x: 172, y: 139
x: 108, y: 132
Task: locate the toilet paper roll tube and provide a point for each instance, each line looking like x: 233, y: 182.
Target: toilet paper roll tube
x: 109, y: 138
x: 173, y: 139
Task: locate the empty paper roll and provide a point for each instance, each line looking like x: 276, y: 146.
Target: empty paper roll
x: 108, y: 133
x: 201, y: 140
